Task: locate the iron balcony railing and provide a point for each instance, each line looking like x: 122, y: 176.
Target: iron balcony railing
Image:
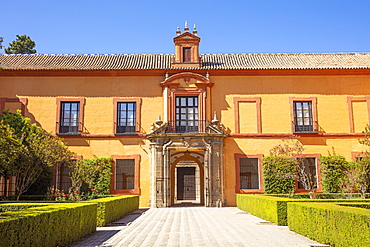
x: 308, y: 128
x: 132, y: 129
x: 74, y: 129
x: 186, y: 126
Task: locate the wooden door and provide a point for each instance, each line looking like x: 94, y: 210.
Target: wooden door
x: 186, y: 189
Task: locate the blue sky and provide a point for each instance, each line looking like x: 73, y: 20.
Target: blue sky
x: 233, y: 26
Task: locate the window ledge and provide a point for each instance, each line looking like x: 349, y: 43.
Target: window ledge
x: 125, y: 134
x: 250, y: 191
x: 305, y: 132
x: 69, y: 134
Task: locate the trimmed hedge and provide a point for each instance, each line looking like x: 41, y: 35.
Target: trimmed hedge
x: 17, y: 206
x: 322, y: 196
x: 273, y: 208
x: 266, y: 207
x: 52, y: 225
x: 114, y: 208
x: 110, y: 208
x: 333, y: 224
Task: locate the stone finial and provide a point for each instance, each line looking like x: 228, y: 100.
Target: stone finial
x: 215, y: 121
x: 186, y: 29
x: 195, y: 32
x: 178, y: 32
x: 159, y: 122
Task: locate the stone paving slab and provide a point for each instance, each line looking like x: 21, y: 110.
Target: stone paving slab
x: 193, y: 226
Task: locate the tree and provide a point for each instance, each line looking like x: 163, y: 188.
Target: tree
x: 94, y: 174
x: 39, y: 151
x: 363, y: 164
x: 22, y: 45
x: 334, y: 171
x: 289, y: 154
x: 10, y: 148
x: 278, y: 174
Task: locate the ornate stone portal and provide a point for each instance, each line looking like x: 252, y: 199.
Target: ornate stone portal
x: 204, y: 151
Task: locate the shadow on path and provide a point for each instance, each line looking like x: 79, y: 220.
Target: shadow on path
x: 186, y: 204
x: 105, y: 233
x: 128, y: 218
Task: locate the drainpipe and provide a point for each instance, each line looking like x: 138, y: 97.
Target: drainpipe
x: 208, y: 175
x: 222, y: 182
x: 153, y: 197
x: 166, y: 160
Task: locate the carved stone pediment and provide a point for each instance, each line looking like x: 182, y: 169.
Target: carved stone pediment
x: 167, y: 130
x: 186, y: 80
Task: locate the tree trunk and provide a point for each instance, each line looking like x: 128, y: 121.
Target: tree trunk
x: 311, y: 194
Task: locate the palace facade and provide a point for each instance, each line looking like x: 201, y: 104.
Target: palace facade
x: 190, y: 127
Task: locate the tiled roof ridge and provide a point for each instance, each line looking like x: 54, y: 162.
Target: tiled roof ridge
x: 204, y: 54
x: 80, y: 54
x: 251, y: 61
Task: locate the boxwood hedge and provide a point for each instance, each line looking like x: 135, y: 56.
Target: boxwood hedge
x: 274, y: 209
x: 331, y: 223
x: 115, y: 207
x: 59, y: 223
x: 52, y: 225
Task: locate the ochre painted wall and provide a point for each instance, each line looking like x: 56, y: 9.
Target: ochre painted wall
x: 330, y: 92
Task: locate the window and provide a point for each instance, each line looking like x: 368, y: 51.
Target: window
x: 126, y: 117
x: 303, y: 121
x: 70, y: 115
x: 62, y: 177
x: 309, y: 166
x: 69, y: 118
x: 125, y: 174
x: 303, y: 115
x: 248, y: 171
x: 249, y: 177
x: 7, y: 188
x: 186, y: 54
x: 187, y: 114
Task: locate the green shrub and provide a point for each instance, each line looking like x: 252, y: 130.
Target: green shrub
x: 99, y: 175
x: 331, y: 224
x: 333, y: 169
x: 114, y: 208
x: 53, y: 225
x: 278, y: 175
x: 274, y: 209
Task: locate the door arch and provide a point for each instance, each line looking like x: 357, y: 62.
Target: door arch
x: 186, y: 156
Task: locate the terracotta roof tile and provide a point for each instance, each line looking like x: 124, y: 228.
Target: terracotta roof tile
x: 163, y: 61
